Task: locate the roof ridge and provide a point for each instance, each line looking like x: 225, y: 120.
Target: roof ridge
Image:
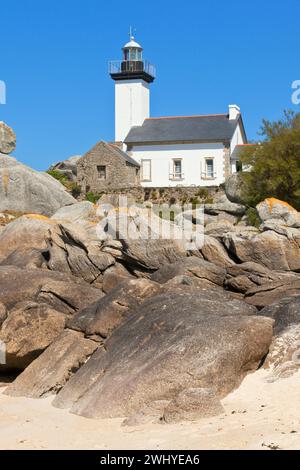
x: 185, y: 117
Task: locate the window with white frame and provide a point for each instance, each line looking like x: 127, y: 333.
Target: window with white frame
x: 146, y: 170
x: 209, y: 169
x: 177, y: 173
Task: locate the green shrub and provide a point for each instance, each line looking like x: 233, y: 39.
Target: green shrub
x: 202, y: 193
x: 93, y: 197
x: 274, y: 163
x: 195, y: 202
x: 75, y: 189
x: 209, y: 200
x: 253, y: 217
x: 58, y: 176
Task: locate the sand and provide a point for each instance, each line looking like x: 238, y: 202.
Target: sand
x: 259, y: 415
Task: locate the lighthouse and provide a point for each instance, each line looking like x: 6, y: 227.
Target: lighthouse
x: 133, y: 76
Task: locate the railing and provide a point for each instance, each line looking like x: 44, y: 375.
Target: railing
x: 131, y: 66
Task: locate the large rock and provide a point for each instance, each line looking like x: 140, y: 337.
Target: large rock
x: 35, y: 305
x: 215, y: 252
x: 27, y: 331
x: 24, y: 234
x: 151, y: 254
x: 3, y: 313
x: 284, y: 355
x: 67, y: 167
x: 224, y: 205
x: 280, y: 211
x: 191, y: 404
x: 245, y: 276
x: 60, y: 361
x: 234, y: 188
x: 208, y: 273
x: 7, y: 139
x: 64, y: 293
x: 172, y: 343
x: 268, y: 293
x: 25, y: 190
x: 268, y: 248
x: 285, y: 312
x: 81, y: 212
x: 108, y: 313
x: 72, y: 251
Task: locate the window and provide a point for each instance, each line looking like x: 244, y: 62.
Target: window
x: 209, y: 168
x: 177, y: 169
x: 146, y: 170
x: 101, y: 172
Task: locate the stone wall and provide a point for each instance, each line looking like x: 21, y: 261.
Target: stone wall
x: 168, y: 195
x: 119, y: 172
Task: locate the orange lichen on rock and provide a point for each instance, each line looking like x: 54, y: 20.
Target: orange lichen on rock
x: 271, y: 201
x: 37, y: 216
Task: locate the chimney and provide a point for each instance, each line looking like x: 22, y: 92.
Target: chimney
x: 234, y: 111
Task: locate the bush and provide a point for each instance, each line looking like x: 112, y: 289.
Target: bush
x: 195, y: 202
x: 93, y: 197
x: 274, y: 163
x: 58, y: 176
x: 253, y: 217
x: 75, y: 190
x: 202, y: 193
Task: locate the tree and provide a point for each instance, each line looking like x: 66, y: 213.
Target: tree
x: 274, y: 163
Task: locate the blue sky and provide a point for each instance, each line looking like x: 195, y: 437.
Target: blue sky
x: 54, y: 56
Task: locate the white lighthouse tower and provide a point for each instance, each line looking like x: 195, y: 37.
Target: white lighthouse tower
x: 132, y: 77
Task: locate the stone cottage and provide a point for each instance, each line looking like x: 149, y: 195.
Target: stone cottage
x: 106, y: 167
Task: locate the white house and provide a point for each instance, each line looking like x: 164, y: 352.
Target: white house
x: 176, y: 150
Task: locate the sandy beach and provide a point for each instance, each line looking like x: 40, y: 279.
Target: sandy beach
x: 259, y: 415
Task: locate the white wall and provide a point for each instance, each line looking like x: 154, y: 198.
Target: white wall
x: 193, y: 163
x: 132, y: 106
x: 237, y: 139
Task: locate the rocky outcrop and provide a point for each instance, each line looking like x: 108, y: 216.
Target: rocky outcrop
x: 272, y: 292
x: 65, y: 293
x: 269, y: 249
x: 151, y: 254
x: 102, y: 317
x: 28, y: 330
x: 67, y: 167
x: 23, y: 235
x: 170, y: 344
x: 215, y: 252
x: 234, y: 188
x: 81, y: 212
x: 25, y: 190
x: 249, y: 275
x: 191, y: 404
x: 284, y: 356
x: 7, y: 139
x: 72, y: 251
x: 50, y: 372
x: 208, y: 273
x: 222, y: 204
x: 279, y: 212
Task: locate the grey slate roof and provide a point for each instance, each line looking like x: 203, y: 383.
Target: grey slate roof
x: 124, y: 155
x: 211, y: 128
